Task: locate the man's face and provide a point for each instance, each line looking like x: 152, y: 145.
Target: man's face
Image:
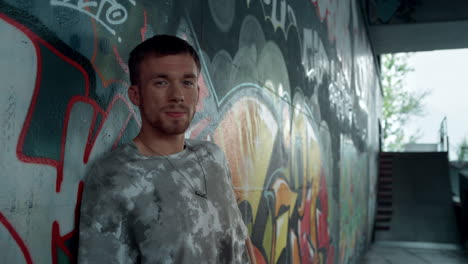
x: 168, y: 93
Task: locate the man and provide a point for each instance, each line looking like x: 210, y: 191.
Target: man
x: 162, y: 198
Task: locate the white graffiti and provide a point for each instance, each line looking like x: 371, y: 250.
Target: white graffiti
x: 363, y: 61
x: 340, y: 96
x: 314, y: 57
x: 338, y: 19
x: 341, y: 24
x: 281, y: 14
x: 108, y: 13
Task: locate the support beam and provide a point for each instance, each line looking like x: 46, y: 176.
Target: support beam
x: 394, y: 38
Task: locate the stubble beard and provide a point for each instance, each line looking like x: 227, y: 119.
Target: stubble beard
x: 167, y: 126
x: 171, y: 127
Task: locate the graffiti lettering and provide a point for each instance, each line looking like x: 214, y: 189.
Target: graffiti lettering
x: 115, y: 13
x: 276, y: 103
x: 323, y: 7
x: 314, y: 57
x: 340, y: 97
x: 281, y: 14
x: 338, y: 18
x: 274, y: 14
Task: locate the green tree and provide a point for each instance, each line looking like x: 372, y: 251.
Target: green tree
x: 462, y: 150
x: 399, y: 104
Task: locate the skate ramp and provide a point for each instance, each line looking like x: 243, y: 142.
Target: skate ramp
x: 421, y: 200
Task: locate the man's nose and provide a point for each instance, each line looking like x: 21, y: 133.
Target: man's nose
x: 176, y: 93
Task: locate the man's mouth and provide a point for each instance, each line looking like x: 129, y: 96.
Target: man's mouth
x: 175, y: 114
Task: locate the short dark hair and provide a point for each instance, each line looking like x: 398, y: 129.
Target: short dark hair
x: 159, y: 45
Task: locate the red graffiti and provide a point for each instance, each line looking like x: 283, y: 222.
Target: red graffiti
x: 145, y: 26
x: 17, y: 238
x: 58, y: 241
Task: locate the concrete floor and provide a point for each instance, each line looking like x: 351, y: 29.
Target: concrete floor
x: 415, y: 254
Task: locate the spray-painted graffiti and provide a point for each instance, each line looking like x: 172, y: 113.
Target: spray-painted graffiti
x: 107, y: 12
x: 86, y: 131
x: 286, y: 204
x: 282, y: 92
x: 353, y: 198
x: 280, y: 13
x: 314, y: 57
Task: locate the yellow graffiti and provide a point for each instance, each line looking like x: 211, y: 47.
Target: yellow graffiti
x: 247, y: 134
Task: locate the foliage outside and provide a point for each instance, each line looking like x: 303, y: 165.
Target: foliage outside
x: 399, y: 104
x: 462, y: 150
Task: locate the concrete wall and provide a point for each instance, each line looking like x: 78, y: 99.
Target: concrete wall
x: 289, y: 91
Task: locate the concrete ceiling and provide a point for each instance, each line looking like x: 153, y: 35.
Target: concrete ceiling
x: 417, y: 25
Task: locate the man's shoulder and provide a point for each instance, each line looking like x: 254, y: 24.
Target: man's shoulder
x: 111, y: 164
x: 202, y: 144
x: 207, y: 146
x: 117, y: 157
x: 209, y: 150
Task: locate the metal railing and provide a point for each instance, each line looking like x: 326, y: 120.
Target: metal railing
x: 443, y: 136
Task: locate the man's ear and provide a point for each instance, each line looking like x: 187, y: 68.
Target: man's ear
x: 134, y: 94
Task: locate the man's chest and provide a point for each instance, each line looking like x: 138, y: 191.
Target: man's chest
x: 168, y: 201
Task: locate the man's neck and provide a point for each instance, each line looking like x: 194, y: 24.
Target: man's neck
x: 151, y: 144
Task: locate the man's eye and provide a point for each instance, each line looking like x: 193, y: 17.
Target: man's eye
x: 160, y: 83
x: 189, y: 83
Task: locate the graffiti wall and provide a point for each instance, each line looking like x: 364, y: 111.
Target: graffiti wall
x: 289, y: 90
